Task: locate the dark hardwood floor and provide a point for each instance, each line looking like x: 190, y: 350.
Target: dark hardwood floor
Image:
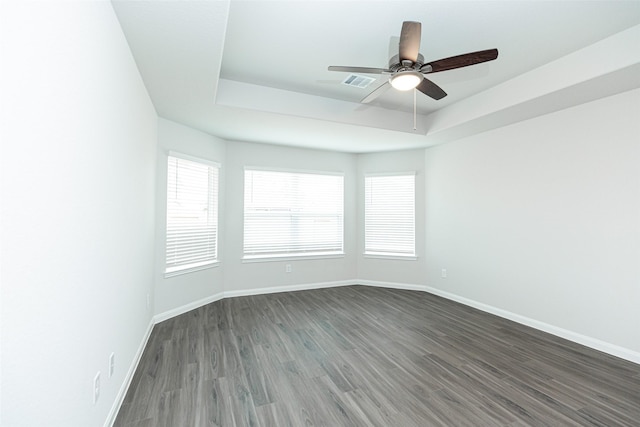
x: 363, y: 356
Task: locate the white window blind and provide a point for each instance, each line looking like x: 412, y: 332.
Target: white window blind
x: 192, y: 214
x: 390, y: 215
x: 292, y: 214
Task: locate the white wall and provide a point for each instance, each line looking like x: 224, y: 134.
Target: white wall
x: 244, y: 277
x: 392, y: 272
x: 186, y: 289
x: 541, y: 219
x: 78, y: 184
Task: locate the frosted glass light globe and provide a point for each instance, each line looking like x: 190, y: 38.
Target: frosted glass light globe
x: 406, y: 80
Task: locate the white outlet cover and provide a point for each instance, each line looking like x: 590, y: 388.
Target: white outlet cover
x: 112, y: 364
x: 96, y: 387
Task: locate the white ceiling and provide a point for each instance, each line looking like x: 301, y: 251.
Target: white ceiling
x: 257, y: 70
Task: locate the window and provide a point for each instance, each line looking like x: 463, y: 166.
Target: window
x: 389, y: 212
x: 192, y: 214
x: 292, y: 214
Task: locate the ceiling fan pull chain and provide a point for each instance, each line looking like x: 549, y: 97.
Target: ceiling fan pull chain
x: 407, y: 69
x: 415, y: 119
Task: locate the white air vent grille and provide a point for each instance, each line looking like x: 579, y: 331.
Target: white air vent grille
x: 358, y: 81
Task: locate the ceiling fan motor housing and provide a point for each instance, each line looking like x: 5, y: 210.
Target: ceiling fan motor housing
x: 407, y: 69
x: 395, y: 65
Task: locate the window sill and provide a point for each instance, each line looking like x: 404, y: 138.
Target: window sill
x: 210, y: 264
x: 392, y: 256
x: 290, y: 257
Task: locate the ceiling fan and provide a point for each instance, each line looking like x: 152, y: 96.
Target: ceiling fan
x: 407, y: 69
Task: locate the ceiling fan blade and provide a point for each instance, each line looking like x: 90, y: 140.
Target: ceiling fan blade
x: 460, y: 61
x: 410, y: 41
x: 365, y: 70
x: 431, y: 89
x: 376, y: 93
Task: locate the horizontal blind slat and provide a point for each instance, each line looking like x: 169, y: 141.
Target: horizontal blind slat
x: 192, y: 213
x: 390, y: 214
x: 292, y: 213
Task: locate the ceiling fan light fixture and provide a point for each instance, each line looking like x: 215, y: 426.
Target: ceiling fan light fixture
x: 406, y: 80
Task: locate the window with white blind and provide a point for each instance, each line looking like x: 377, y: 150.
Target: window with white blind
x: 292, y: 214
x: 389, y: 213
x: 192, y: 214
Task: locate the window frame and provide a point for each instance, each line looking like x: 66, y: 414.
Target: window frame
x: 389, y: 254
x: 275, y: 256
x: 214, y: 193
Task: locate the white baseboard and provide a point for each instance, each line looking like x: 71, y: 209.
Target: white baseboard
x: 393, y: 285
x: 289, y: 288
x: 246, y: 292
x: 596, y: 344
x: 187, y: 307
x: 111, y: 418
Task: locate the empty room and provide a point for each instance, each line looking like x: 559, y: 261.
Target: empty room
x: 319, y: 213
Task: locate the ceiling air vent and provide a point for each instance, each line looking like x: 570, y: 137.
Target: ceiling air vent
x: 358, y: 81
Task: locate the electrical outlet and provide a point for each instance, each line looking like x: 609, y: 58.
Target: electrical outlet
x: 112, y: 364
x: 96, y: 387
x: 443, y: 274
x: 148, y: 301
x: 287, y: 268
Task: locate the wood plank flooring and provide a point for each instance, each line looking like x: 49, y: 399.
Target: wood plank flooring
x: 363, y: 356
